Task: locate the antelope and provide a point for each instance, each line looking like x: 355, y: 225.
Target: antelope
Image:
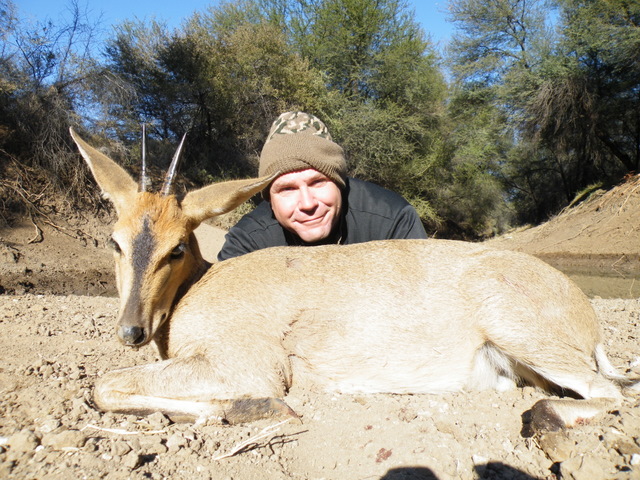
x: 394, y: 316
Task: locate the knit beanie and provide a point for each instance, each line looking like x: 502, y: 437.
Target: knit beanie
x: 298, y: 141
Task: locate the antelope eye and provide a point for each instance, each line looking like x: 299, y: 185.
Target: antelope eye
x: 114, y: 245
x: 178, y: 252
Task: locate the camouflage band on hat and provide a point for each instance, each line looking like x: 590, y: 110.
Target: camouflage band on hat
x: 296, y: 122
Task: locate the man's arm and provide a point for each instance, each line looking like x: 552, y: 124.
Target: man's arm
x: 256, y: 230
x: 408, y: 225
x: 236, y: 242
x: 376, y: 213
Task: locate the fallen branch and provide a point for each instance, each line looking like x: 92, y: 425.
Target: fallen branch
x: 120, y: 431
x: 265, y: 432
x: 38, y: 236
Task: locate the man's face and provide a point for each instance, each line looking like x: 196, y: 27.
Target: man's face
x: 306, y: 203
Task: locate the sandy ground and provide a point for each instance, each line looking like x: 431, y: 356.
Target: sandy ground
x: 57, y: 317
x: 56, y: 346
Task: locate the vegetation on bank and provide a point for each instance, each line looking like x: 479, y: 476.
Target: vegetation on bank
x: 530, y: 103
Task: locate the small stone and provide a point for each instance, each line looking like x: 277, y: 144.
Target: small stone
x: 120, y: 448
x: 46, y: 371
x: 153, y: 445
x: 582, y: 468
x: 157, y: 421
x: 64, y: 439
x: 507, y: 445
x: 557, y: 446
x: 6, y: 467
x: 196, y: 445
x: 176, y: 442
x: 79, y: 403
x: 131, y: 460
x: 23, y: 441
x: 108, y: 419
x: 479, y: 460
x: 91, y: 445
x: 49, y: 424
x: 135, y: 444
x: 627, y: 447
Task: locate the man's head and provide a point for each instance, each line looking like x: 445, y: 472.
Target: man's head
x: 298, y: 141
x: 306, y: 198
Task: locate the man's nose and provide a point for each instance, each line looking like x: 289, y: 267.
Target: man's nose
x: 308, y: 200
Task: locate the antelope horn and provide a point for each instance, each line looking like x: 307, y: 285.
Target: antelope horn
x: 143, y: 172
x: 171, y: 173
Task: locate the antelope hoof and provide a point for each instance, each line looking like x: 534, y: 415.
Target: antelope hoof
x: 251, y: 409
x: 545, y: 418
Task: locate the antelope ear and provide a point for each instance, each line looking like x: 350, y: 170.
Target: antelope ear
x: 116, y: 184
x: 220, y: 198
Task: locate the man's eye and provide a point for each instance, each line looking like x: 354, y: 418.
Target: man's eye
x: 114, y: 245
x: 285, y: 190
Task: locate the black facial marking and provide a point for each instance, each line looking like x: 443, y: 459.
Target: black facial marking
x: 144, y: 245
x: 142, y: 250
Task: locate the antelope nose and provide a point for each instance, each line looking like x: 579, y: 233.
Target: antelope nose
x: 131, y: 335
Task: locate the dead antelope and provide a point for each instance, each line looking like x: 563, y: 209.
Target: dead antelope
x: 382, y: 317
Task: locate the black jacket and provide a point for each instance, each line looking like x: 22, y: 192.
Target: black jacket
x: 369, y: 212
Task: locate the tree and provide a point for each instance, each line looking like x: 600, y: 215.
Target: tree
x: 600, y: 76
x: 223, y: 77
x: 495, y: 37
x: 570, y: 99
x: 473, y: 196
x: 42, y: 85
x: 366, y: 68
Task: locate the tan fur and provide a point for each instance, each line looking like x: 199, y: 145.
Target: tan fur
x: 399, y: 316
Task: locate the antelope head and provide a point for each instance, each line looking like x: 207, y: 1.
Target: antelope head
x: 156, y: 254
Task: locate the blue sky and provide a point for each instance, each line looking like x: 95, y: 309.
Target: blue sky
x: 430, y: 14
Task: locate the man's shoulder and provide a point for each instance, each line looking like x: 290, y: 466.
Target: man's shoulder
x: 375, y: 213
x: 255, y: 230
x: 365, y: 195
x: 260, y: 218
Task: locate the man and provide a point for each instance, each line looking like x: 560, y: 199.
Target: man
x: 312, y: 201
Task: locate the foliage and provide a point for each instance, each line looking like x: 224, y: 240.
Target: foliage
x: 542, y: 100
x: 569, y: 96
x: 221, y: 84
x: 473, y: 193
x: 43, y: 70
x: 234, y: 69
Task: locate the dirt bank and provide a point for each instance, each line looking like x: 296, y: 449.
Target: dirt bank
x: 601, y: 233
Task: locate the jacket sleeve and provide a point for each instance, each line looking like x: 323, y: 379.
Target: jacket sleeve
x: 236, y: 242
x: 256, y: 230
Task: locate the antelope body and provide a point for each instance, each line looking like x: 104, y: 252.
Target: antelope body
x: 397, y: 316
